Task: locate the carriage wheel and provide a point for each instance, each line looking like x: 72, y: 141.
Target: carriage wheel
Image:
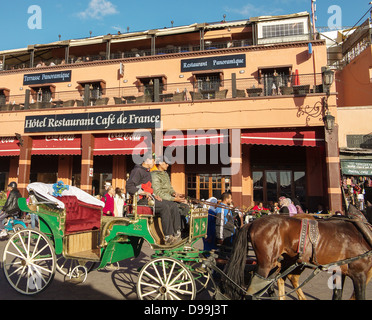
x: 29, y: 261
x: 65, y: 266
x: 165, y: 279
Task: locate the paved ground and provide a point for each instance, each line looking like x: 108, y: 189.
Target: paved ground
x: 121, y: 284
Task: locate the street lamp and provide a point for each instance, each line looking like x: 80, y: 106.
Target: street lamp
x: 327, y: 78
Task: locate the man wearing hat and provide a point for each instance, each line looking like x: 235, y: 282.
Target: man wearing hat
x: 140, y: 182
x: 162, y: 187
x: 10, y: 207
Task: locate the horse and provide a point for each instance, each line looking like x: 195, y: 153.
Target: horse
x: 275, y: 239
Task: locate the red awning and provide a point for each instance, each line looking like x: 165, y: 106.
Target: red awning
x: 120, y: 144
x: 194, y: 138
x: 9, y: 147
x: 307, y: 138
x: 56, y: 145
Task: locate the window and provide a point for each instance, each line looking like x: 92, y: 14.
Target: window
x: 208, y: 83
x: 269, y: 185
x: 282, y: 30
x: 146, y: 84
x: 274, y: 77
x: 4, y: 96
x: 204, y: 186
x: 359, y: 141
x: 43, y: 93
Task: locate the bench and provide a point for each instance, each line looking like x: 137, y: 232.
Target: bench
x: 80, y: 216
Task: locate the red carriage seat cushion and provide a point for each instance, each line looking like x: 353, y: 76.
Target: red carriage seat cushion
x: 141, y: 210
x: 80, y: 216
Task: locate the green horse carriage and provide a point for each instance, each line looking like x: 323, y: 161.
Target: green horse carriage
x: 74, y: 237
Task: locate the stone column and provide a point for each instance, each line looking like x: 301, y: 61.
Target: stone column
x: 65, y: 163
x: 119, y: 171
x: 24, y: 165
x: 87, y: 144
x: 236, y: 167
x: 333, y: 169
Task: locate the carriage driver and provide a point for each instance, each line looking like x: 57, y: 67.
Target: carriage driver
x: 140, y: 182
x: 163, y: 188
x: 10, y: 207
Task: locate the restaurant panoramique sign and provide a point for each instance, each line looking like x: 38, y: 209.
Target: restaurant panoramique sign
x: 116, y: 120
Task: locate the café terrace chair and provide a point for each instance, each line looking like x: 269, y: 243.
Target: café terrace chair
x: 119, y: 100
x: 68, y: 103
x: 221, y: 94
x: 143, y: 99
x: 102, y: 101
x: 179, y: 96
x: 196, y: 95
x: 240, y: 93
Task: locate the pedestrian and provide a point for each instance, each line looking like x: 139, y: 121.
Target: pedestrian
x: 108, y: 199
x: 210, y: 240
x: 225, y: 228
x: 10, y: 208
x: 107, y: 185
x: 119, y: 200
x: 291, y: 207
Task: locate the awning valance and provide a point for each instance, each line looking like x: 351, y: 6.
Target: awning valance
x: 9, y: 146
x: 120, y: 144
x: 177, y: 139
x: 56, y: 145
x: 300, y: 137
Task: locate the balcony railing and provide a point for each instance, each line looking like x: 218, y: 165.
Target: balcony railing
x: 249, y: 88
x: 72, y: 59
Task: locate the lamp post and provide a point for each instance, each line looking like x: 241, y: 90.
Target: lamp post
x: 327, y: 78
x: 331, y: 147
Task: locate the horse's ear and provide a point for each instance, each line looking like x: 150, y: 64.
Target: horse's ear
x: 369, y: 204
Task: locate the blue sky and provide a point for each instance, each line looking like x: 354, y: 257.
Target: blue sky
x: 75, y: 18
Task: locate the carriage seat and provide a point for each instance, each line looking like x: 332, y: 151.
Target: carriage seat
x: 80, y: 216
x: 141, y: 210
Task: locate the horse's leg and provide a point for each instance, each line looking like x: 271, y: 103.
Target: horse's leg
x: 337, y: 293
x: 281, y: 289
x: 359, y: 282
x: 294, y: 278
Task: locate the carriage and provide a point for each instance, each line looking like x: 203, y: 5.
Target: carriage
x: 74, y: 237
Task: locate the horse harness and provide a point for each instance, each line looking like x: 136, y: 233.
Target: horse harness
x: 309, y: 230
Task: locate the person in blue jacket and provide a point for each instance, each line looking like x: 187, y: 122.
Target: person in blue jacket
x: 210, y: 241
x: 225, y: 228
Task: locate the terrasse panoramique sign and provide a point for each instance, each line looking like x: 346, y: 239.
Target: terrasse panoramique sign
x: 134, y: 119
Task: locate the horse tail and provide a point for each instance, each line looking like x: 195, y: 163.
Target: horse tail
x: 236, y: 265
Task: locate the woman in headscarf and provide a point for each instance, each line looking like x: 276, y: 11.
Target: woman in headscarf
x: 210, y: 241
x: 291, y: 207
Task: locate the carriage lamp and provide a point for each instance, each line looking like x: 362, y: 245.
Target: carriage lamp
x: 329, y: 121
x: 327, y: 78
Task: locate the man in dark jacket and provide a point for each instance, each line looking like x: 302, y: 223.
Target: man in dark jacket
x: 10, y: 208
x: 140, y: 182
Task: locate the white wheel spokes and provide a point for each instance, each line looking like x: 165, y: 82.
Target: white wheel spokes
x: 29, y: 261
x: 164, y: 279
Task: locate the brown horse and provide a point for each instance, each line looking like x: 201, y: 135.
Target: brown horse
x: 275, y: 240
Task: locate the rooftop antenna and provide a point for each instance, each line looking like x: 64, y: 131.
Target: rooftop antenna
x: 313, y: 11
x: 172, y: 23
x: 224, y: 18
x: 59, y: 37
x: 90, y: 33
x: 127, y: 29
